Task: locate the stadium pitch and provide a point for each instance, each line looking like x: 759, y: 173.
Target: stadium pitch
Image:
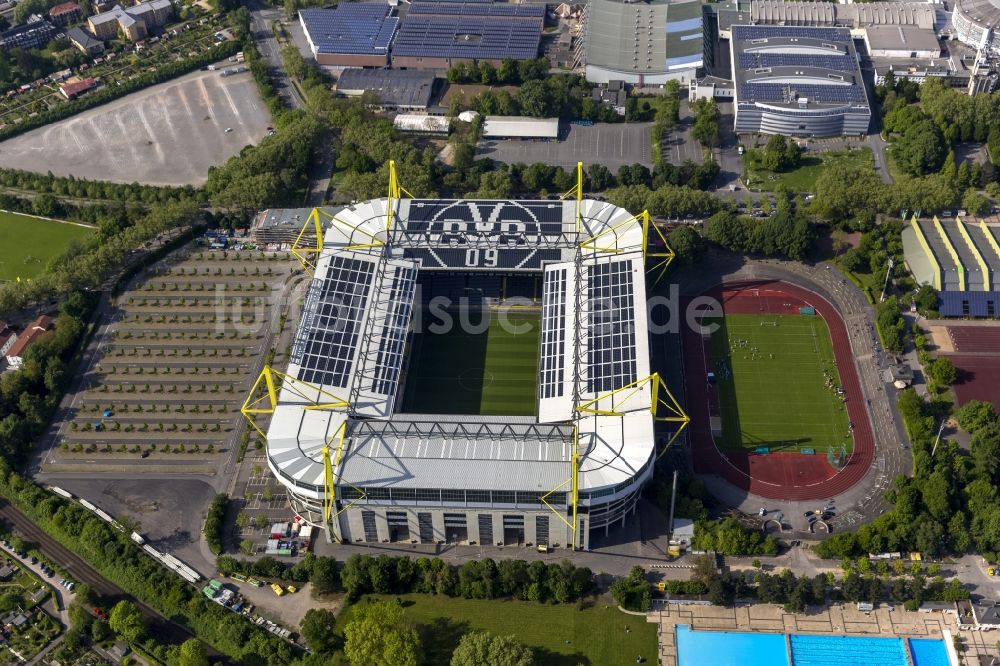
x: 493, y: 372
x: 778, y: 385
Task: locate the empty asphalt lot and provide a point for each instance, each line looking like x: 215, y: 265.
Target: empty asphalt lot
x: 609, y: 144
x: 167, y: 134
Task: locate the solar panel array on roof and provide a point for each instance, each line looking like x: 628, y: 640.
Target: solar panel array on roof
x: 783, y: 92
x: 840, y: 63
x: 500, y: 258
x: 777, y: 31
x: 352, y: 28
x: 335, y: 306
x: 553, y: 342
x: 485, y: 217
x: 611, y: 362
x: 397, y: 320
x: 474, y: 31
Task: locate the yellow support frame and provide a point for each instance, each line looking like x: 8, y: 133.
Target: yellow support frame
x: 660, y: 398
x: 577, y: 192
x: 666, y: 257
x: 308, y: 256
x: 272, y: 381
x: 591, y: 242
x: 574, y: 481
x: 395, y: 193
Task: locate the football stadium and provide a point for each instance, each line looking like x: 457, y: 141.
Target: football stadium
x: 470, y: 371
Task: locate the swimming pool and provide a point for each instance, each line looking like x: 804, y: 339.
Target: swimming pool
x: 847, y: 650
x: 729, y: 648
x: 928, y: 652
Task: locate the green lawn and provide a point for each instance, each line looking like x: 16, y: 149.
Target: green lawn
x: 778, y: 383
x: 560, y: 635
x: 28, y: 244
x: 492, y: 372
x: 804, y: 178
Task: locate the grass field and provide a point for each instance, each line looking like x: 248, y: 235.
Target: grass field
x: 28, y: 244
x: 494, y: 372
x: 560, y: 635
x: 778, y: 384
x: 804, y: 178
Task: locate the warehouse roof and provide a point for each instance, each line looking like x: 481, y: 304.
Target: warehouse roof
x: 521, y: 127
x: 475, y: 30
x: 902, y: 38
x: 356, y: 28
x: 411, y: 88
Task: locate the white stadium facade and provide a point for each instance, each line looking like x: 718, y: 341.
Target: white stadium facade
x: 354, y: 462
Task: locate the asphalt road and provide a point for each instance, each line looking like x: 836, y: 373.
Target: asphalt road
x: 261, y: 17
x: 159, y: 626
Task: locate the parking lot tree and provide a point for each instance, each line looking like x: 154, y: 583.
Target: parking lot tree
x: 600, y: 177
x: 379, y: 634
x: 481, y: 648
x: 706, y: 122
x: 318, y: 630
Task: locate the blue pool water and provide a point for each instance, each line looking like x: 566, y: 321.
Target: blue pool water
x: 725, y: 648
x: 847, y: 650
x: 928, y: 652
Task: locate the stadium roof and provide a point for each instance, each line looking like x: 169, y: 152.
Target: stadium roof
x: 474, y: 30
x: 411, y: 88
x: 355, y: 28
x: 350, y: 344
x: 796, y: 68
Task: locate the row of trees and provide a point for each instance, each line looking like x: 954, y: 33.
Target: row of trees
x: 214, y: 522
x: 786, y: 233
x: 952, y: 502
x: 566, y: 96
x: 510, y: 73
x: 729, y: 537
x: 82, y: 188
x: 122, y: 562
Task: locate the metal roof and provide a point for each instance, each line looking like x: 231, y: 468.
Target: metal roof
x: 474, y: 31
x: 356, y: 28
x: 520, y: 127
x: 411, y: 88
x: 645, y: 38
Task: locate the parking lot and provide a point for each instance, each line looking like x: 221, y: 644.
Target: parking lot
x: 169, y: 134
x: 612, y: 145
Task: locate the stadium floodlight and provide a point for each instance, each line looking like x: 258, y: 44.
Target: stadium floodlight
x: 263, y: 395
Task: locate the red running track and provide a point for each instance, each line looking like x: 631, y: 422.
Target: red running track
x: 781, y: 476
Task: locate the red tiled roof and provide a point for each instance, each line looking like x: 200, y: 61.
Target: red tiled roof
x: 64, y: 8
x: 77, y: 87
x: 31, y: 331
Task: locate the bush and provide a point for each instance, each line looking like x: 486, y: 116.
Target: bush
x: 214, y: 521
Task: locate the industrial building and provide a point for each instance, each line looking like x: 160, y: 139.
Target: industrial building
x: 975, y: 22
x: 436, y: 35
x: 353, y: 34
x: 31, y: 35
x: 797, y: 81
x: 642, y: 43
x: 355, y: 462
x: 394, y: 89
x: 422, y: 124
x: 960, y: 258
x: 136, y: 22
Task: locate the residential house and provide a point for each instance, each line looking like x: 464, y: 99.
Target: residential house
x: 73, y: 89
x: 63, y: 14
x: 7, y: 338
x: 31, y: 333
x: 134, y: 22
x: 85, y: 41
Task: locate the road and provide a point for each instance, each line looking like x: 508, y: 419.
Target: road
x: 261, y: 17
x: 80, y: 570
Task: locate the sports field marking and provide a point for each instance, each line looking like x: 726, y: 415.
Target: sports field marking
x: 778, y: 385
x: 492, y: 373
x: 28, y: 243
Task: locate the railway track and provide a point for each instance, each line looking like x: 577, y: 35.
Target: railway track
x: 160, y: 627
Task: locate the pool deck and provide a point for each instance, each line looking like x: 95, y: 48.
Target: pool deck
x: 842, y: 619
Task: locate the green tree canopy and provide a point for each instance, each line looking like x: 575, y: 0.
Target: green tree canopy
x: 318, y: 629
x: 192, y: 653
x: 126, y: 621
x: 377, y: 635
x: 481, y: 648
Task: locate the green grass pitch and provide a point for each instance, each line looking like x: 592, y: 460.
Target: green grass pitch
x: 778, y: 383
x: 493, y: 372
x: 28, y: 244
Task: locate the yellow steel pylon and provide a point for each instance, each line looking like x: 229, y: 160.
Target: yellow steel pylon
x: 591, y: 242
x: 574, y: 481
x: 308, y: 256
x: 395, y: 192
x: 577, y: 192
x: 665, y: 257
x: 271, y: 381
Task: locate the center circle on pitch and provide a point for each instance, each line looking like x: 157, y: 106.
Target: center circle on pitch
x: 475, y: 379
